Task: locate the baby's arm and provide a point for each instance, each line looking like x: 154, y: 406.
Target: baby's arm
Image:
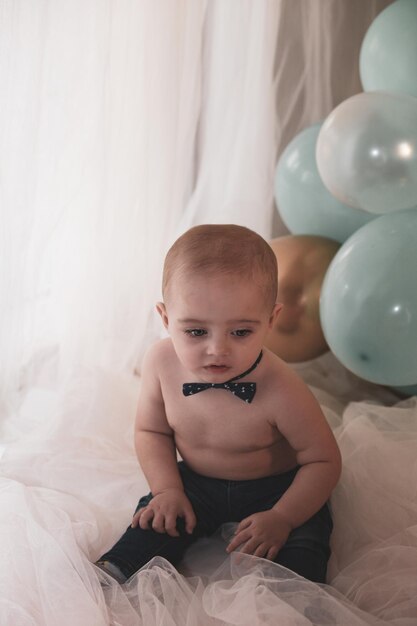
x: 156, y: 452
x: 303, y: 424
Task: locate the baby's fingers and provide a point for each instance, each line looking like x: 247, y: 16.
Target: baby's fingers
x: 243, y: 525
x: 190, y: 520
x: 252, y: 546
x: 136, y: 518
x: 158, y: 522
x: 171, y: 526
x: 240, y: 538
x: 272, y: 553
x: 146, y: 518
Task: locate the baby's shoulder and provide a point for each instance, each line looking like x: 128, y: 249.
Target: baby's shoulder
x: 160, y: 355
x: 160, y: 349
x: 282, y: 378
x: 275, y: 367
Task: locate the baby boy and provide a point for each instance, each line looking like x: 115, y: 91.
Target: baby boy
x: 255, y: 446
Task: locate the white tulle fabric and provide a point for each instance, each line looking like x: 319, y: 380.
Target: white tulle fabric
x: 71, y: 481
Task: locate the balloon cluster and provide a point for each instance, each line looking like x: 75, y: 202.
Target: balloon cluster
x: 353, y: 179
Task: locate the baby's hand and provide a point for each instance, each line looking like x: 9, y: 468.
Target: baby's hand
x: 263, y: 534
x: 162, y: 511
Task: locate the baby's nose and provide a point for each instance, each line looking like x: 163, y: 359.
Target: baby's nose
x: 219, y: 346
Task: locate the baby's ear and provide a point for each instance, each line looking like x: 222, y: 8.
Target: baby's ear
x: 161, y: 308
x: 275, y: 312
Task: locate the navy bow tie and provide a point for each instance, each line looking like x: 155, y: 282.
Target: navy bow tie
x: 244, y: 391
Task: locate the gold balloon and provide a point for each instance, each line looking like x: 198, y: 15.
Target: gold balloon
x: 302, y: 264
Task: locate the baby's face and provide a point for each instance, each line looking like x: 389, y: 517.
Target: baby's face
x: 217, y: 324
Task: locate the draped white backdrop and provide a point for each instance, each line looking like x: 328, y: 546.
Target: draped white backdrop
x: 122, y: 123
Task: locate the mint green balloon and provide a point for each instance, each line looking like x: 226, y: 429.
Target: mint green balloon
x: 305, y: 205
x: 388, y: 56
x: 367, y: 151
x: 368, y: 302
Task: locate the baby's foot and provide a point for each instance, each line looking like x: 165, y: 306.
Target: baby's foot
x: 112, y: 570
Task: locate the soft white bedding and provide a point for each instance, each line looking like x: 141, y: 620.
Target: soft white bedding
x: 70, y: 480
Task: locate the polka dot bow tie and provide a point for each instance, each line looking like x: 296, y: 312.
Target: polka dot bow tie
x: 244, y: 391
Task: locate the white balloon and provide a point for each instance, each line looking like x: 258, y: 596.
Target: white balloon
x: 367, y: 152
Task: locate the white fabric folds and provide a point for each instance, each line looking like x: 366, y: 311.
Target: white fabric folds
x: 71, y: 481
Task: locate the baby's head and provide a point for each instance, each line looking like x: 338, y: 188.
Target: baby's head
x: 213, y: 250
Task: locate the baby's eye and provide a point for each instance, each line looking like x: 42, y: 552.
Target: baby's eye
x: 196, y: 332
x: 241, y: 332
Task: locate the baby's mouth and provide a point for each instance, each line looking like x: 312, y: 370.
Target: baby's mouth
x: 220, y: 369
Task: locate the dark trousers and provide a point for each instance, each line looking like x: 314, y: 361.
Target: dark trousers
x: 216, y: 502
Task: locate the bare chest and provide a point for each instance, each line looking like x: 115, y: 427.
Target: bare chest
x: 216, y: 419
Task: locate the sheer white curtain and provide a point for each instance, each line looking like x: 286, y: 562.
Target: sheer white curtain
x: 100, y: 105
x: 122, y: 124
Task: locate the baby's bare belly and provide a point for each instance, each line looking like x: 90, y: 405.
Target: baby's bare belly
x: 243, y: 465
